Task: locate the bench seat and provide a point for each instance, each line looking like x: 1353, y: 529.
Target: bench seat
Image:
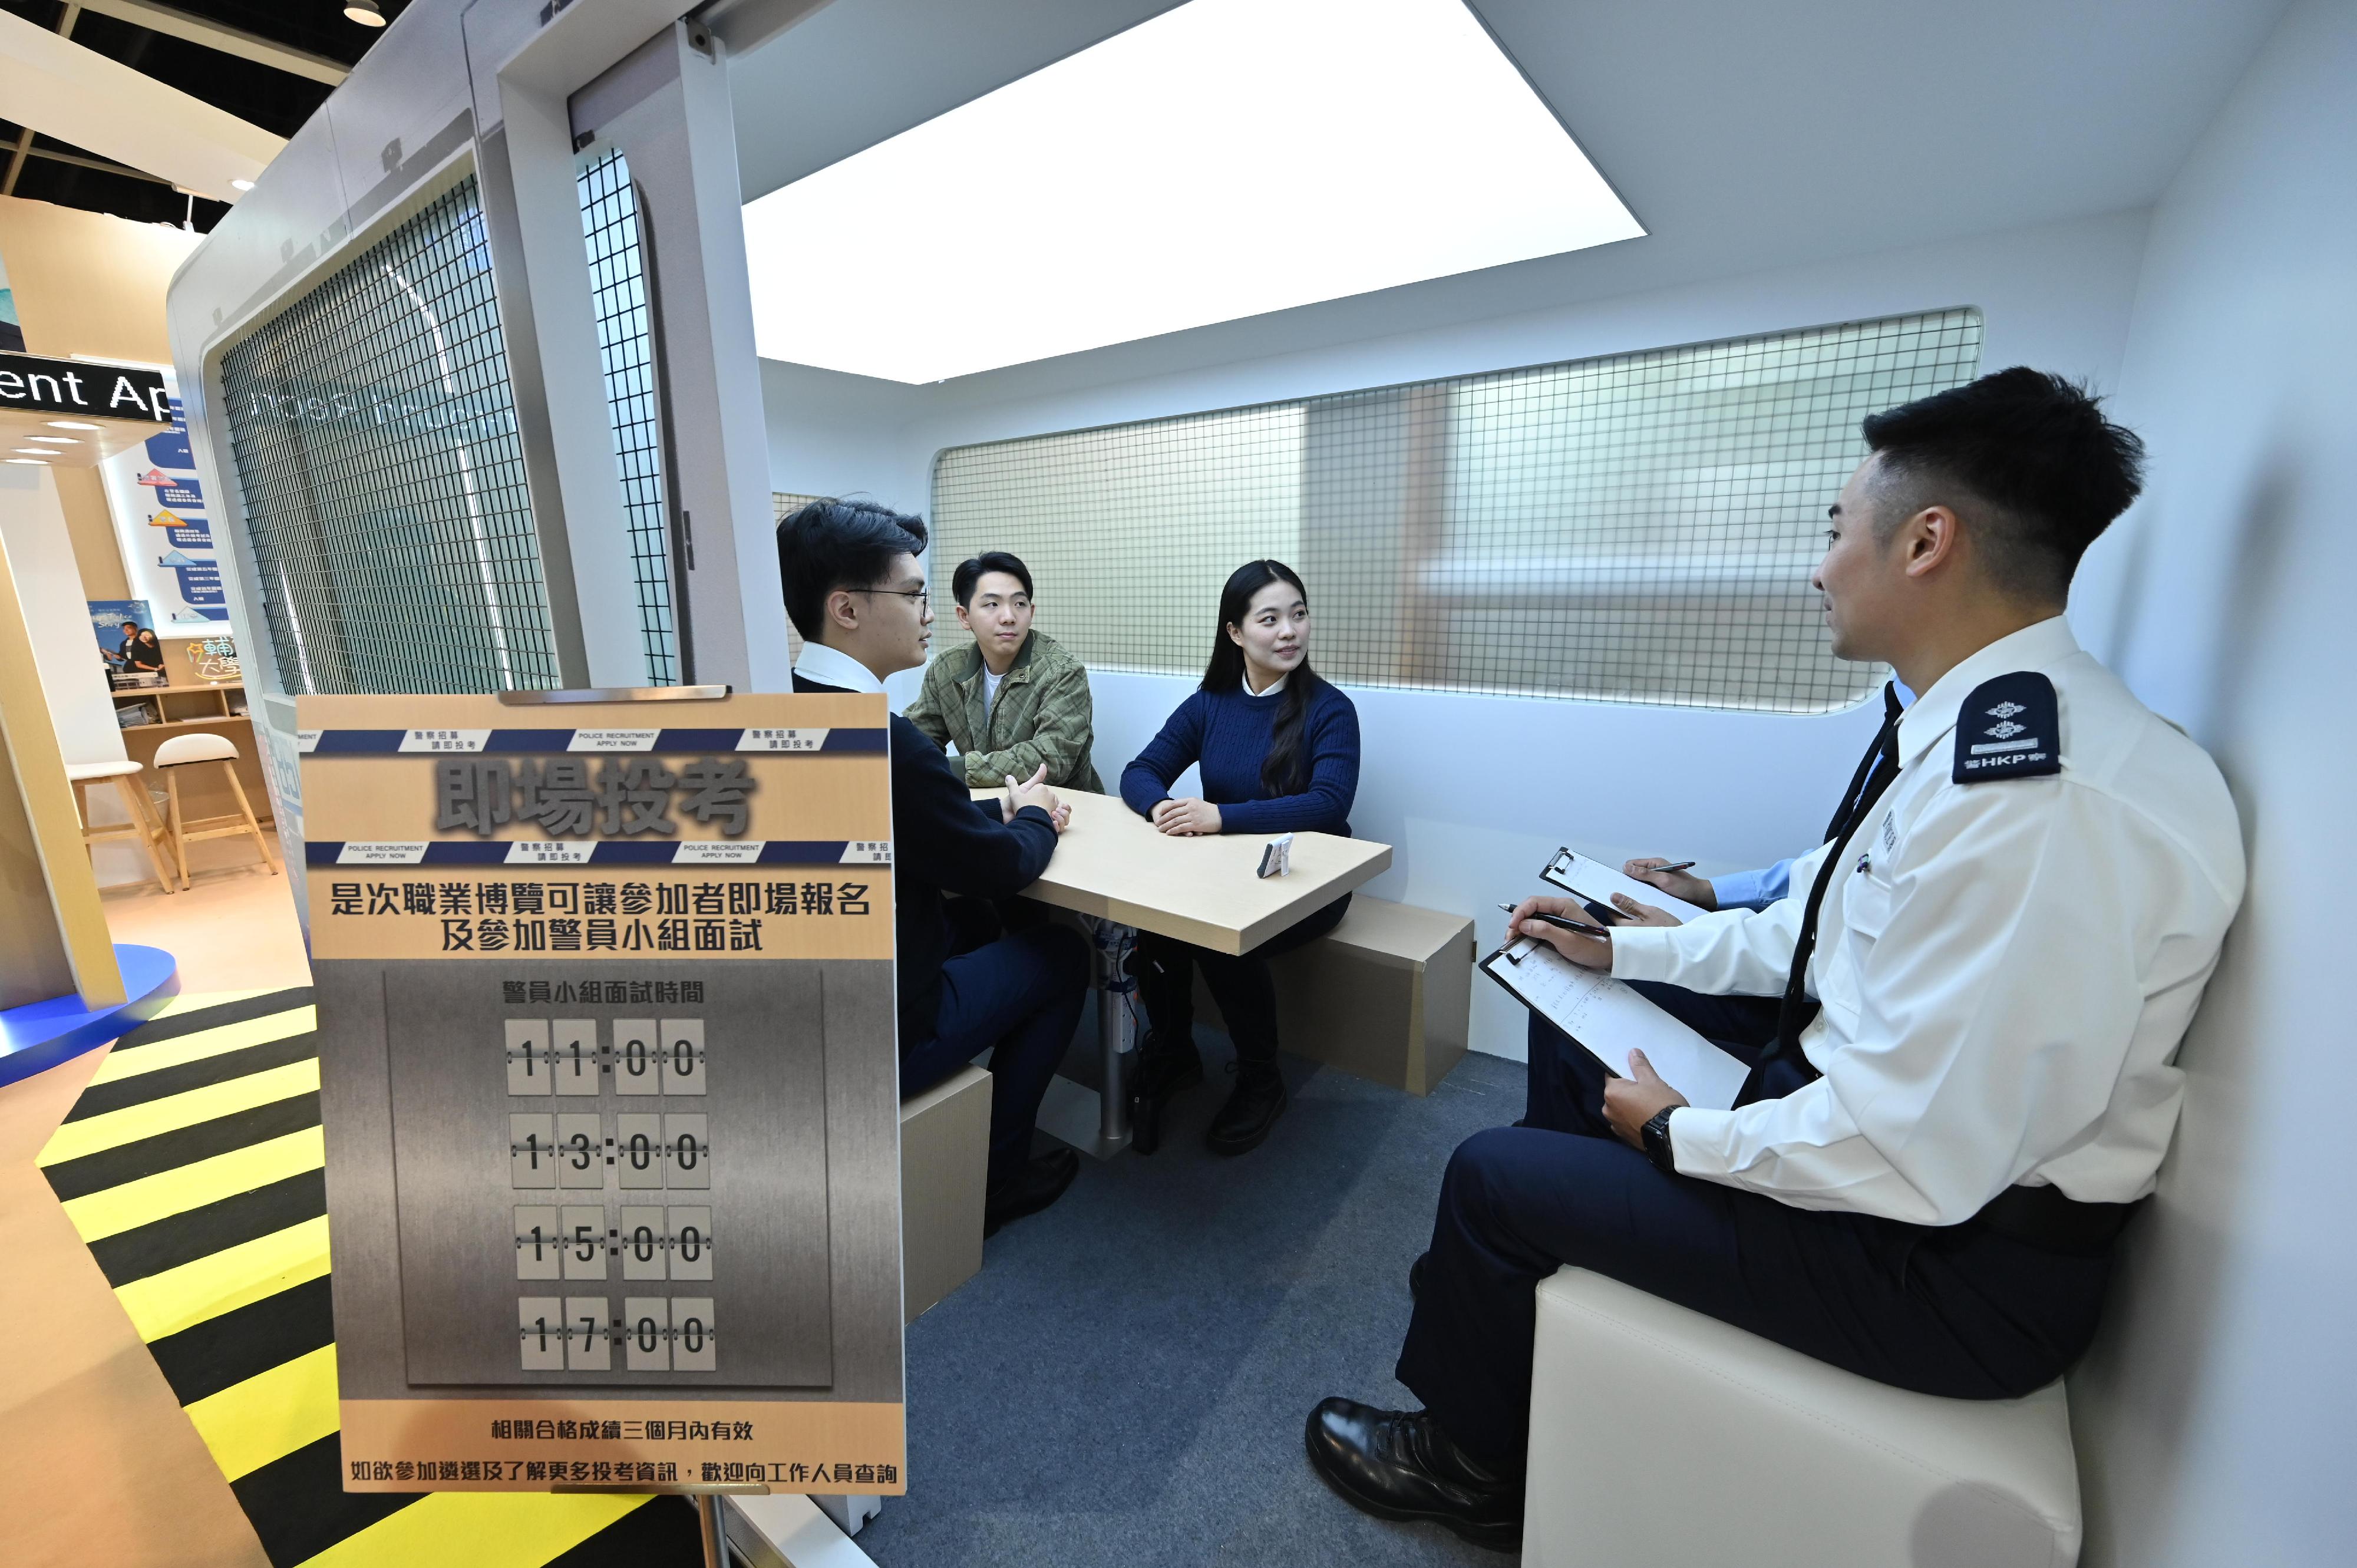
x: 1662, y: 1435
x: 944, y: 1162
x: 1386, y: 995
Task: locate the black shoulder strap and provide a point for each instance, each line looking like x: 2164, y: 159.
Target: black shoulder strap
x: 2010, y: 728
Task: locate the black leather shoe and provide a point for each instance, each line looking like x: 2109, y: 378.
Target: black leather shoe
x: 1164, y: 1067
x: 1400, y: 1465
x: 1038, y: 1184
x: 1251, y: 1109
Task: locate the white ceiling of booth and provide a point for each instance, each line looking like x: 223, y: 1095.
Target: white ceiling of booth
x: 1186, y: 172
x: 1742, y: 137
x: 1868, y: 125
x: 857, y: 72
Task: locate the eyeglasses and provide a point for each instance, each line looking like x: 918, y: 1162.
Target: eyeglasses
x: 913, y: 596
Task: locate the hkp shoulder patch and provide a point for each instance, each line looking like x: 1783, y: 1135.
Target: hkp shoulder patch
x: 2009, y: 728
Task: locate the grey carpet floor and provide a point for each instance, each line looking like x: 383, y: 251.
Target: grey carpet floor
x: 1125, y: 1382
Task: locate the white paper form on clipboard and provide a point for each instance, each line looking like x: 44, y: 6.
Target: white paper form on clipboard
x: 1609, y: 1019
x: 1597, y: 881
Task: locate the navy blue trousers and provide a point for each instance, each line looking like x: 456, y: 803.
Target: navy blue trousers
x: 1962, y: 1312
x: 1019, y: 998
x: 1239, y: 983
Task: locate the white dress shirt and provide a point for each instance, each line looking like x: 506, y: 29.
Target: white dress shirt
x: 833, y: 667
x: 2006, y: 967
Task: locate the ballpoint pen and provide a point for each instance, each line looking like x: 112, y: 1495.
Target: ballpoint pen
x: 1561, y: 922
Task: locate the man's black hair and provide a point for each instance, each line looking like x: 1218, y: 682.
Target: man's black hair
x: 832, y: 544
x: 2028, y: 461
x: 972, y: 571
x: 133, y: 625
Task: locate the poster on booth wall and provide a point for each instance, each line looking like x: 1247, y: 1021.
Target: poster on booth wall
x: 608, y: 1082
x: 117, y: 623
x: 165, y: 529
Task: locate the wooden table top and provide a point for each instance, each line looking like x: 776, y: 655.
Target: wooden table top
x: 1111, y: 862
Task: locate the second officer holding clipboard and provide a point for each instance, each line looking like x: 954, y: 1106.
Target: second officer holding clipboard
x: 1920, y: 1181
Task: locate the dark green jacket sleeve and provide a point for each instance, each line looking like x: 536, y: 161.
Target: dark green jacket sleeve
x: 1062, y: 732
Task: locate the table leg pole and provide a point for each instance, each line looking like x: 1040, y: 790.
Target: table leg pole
x: 1113, y: 1101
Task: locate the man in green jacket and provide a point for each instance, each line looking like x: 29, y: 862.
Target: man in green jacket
x: 1014, y: 700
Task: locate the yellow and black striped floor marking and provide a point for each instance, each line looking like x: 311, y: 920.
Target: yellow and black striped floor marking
x: 192, y: 1167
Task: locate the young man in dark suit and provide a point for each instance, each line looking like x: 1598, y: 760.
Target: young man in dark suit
x: 855, y: 590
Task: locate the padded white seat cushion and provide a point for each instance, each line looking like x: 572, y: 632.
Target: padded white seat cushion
x: 1661, y: 1436
x: 79, y: 772
x: 196, y: 748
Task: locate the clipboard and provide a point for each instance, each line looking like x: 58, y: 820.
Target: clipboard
x: 1608, y: 1020
x: 1596, y: 881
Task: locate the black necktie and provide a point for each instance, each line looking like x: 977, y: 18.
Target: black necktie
x: 1875, y: 772
x: 1880, y: 755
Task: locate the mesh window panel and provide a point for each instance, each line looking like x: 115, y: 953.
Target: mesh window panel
x: 1637, y: 528
x: 385, y: 508
x: 618, y: 284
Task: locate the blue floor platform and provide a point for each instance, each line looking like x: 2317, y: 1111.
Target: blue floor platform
x: 39, y: 1035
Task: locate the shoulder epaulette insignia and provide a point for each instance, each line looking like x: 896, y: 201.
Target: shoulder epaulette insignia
x: 2009, y: 728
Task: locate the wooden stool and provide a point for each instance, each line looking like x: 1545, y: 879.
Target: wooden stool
x: 142, y: 826
x: 194, y: 750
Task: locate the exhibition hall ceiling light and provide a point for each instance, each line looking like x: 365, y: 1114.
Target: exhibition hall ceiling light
x: 54, y: 440
x: 71, y: 424
x: 1225, y: 159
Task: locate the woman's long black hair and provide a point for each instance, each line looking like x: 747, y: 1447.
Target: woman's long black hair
x: 1285, y: 769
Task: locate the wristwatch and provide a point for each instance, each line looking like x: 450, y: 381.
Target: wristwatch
x: 1656, y: 1135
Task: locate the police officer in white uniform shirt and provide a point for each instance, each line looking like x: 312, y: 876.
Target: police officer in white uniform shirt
x: 1985, y: 977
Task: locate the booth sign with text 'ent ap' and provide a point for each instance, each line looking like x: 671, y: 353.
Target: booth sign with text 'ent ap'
x: 85, y: 387
x: 608, y: 1074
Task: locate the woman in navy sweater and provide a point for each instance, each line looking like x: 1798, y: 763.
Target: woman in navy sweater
x: 1279, y: 753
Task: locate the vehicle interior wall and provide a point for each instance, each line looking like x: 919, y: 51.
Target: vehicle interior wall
x: 1475, y: 791
x: 2214, y: 1416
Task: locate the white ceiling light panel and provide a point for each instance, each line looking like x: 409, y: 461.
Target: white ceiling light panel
x: 1225, y: 159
